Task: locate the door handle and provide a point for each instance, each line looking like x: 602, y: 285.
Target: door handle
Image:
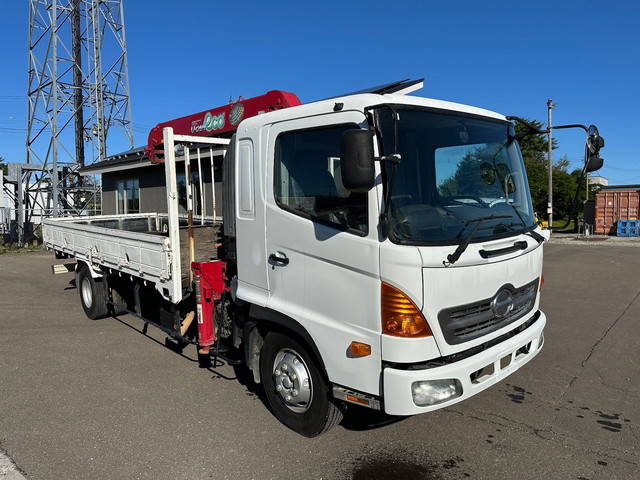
x: 279, y: 259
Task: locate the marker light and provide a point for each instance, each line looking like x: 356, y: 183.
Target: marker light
x: 433, y: 392
x: 358, y: 349
x: 400, y: 316
x: 541, y: 282
x: 354, y: 399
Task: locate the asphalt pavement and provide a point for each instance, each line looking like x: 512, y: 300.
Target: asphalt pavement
x: 83, y: 399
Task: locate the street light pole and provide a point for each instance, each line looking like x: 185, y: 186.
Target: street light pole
x: 586, y: 187
x: 550, y: 107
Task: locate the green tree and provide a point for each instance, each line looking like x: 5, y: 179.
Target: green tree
x: 534, y: 152
x: 469, y: 174
x: 467, y: 177
x: 3, y: 166
x: 565, y: 184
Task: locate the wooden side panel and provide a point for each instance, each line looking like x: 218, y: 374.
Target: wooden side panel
x: 206, y: 237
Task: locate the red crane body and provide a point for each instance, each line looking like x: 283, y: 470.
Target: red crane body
x: 219, y: 121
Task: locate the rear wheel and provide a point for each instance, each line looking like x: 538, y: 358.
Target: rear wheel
x: 119, y: 304
x: 93, y: 295
x: 295, y: 387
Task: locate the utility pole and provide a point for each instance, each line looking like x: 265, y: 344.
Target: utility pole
x: 550, y: 107
x: 586, y: 186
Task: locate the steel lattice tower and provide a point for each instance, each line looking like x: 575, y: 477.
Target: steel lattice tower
x: 78, y: 92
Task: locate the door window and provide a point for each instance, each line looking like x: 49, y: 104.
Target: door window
x: 308, y: 179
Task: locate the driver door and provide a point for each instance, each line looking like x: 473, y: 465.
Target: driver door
x: 323, y: 264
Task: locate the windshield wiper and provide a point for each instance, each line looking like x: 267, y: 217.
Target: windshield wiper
x: 536, y: 236
x: 455, y: 256
x: 508, y: 226
x: 532, y: 233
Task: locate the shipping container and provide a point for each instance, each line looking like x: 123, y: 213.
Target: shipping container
x: 615, y: 203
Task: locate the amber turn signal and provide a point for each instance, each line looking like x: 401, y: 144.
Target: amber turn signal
x: 541, y: 282
x: 353, y: 399
x: 358, y: 349
x: 400, y: 316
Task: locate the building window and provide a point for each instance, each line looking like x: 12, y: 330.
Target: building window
x: 308, y: 179
x: 181, y: 181
x: 128, y: 196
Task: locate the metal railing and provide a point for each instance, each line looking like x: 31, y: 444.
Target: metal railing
x: 13, y: 231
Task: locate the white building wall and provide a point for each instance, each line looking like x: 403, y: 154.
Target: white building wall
x: 598, y: 180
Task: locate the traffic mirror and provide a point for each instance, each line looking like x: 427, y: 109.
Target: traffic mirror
x: 595, y: 142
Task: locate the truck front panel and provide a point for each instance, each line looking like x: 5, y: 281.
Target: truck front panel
x: 471, y: 375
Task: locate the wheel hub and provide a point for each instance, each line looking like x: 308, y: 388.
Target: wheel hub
x: 87, y: 294
x: 292, y: 380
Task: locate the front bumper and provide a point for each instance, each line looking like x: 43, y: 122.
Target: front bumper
x: 397, y: 383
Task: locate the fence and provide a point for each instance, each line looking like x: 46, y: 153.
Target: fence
x: 5, y: 220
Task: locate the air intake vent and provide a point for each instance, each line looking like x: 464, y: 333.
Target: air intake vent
x: 467, y: 322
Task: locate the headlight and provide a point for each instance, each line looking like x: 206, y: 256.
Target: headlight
x: 433, y: 392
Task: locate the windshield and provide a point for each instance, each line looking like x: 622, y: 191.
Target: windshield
x: 453, y: 168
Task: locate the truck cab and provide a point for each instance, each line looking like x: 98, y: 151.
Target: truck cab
x: 364, y: 276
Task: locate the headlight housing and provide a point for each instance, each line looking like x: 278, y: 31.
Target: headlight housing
x: 432, y: 392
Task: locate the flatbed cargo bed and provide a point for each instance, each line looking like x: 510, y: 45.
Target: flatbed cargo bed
x: 134, y: 244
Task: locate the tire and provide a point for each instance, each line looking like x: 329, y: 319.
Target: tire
x: 119, y: 306
x: 309, y: 411
x: 93, y: 295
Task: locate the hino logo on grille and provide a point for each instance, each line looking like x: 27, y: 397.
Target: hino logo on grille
x: 502, y: 303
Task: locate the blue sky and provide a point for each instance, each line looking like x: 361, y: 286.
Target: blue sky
x: 186, y: 56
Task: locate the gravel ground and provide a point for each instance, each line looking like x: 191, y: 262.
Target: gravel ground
x: 84, y: 399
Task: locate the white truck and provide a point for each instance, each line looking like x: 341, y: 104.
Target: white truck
x: 377, y: 249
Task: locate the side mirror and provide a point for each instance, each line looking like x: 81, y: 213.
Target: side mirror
x: 595, y: 142
x: 594, y: 163
x: 509, y: 185
x: 488, y: 173
x: 357, y: 161
x: 506, y: 178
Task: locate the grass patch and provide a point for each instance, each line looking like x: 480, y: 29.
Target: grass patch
x: 560, y: 224
x: 14, y: 248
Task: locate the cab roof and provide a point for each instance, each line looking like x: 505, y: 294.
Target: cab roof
x: 359, y: 102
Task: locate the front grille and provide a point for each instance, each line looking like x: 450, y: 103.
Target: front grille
x: 467, y: 322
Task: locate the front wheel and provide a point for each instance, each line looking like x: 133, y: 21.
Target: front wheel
x: 295, y: 387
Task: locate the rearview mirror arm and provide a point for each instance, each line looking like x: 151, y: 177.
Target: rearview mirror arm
x: 572, y: 125
x: 534, y: 129
x: 394, y: 158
